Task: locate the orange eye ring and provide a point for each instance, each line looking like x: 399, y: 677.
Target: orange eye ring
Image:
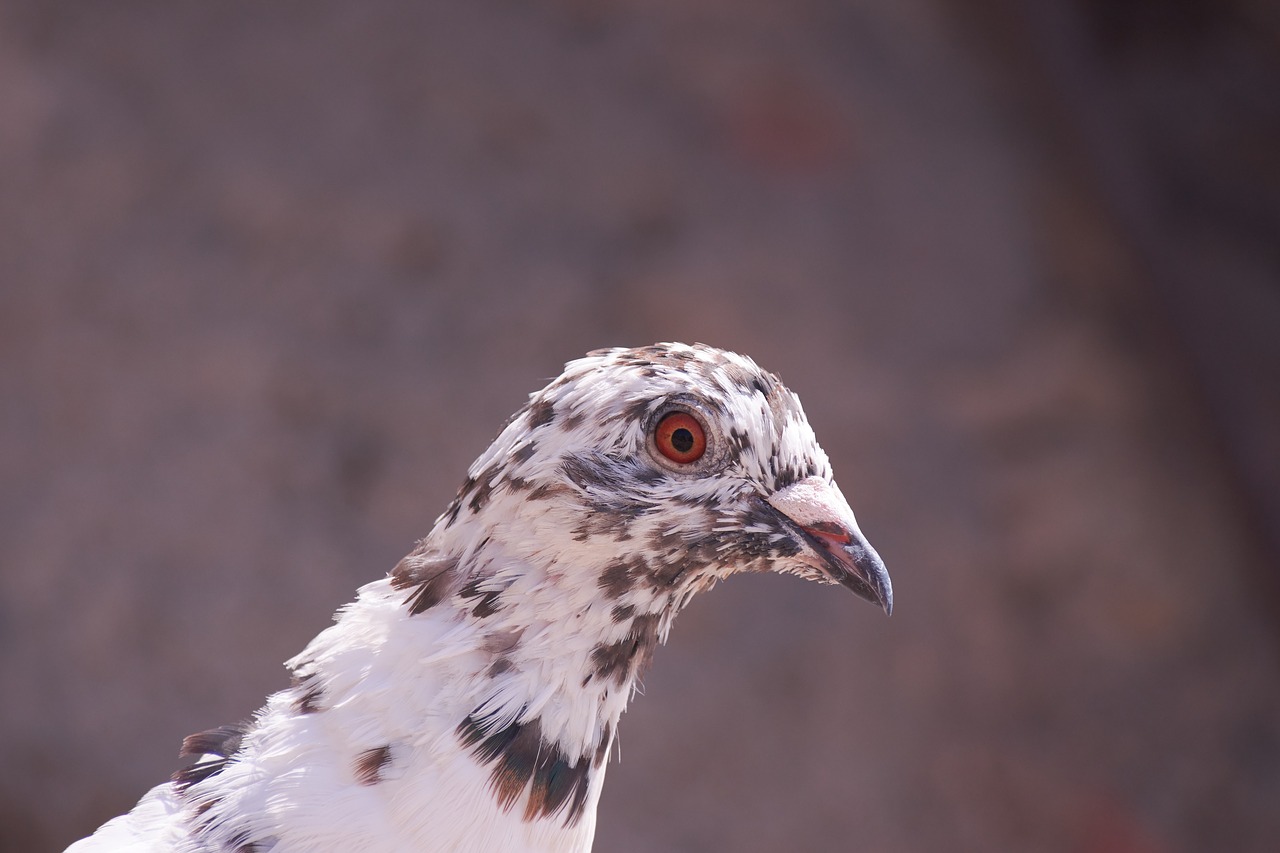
x: 680, y: 438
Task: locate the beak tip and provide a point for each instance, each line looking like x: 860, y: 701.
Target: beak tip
x: 882, y: 592
x: 868, y: 579
x: 818, y: 510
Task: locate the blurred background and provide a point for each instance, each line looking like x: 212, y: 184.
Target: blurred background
x: 272, y: 275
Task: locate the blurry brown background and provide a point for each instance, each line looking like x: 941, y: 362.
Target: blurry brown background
x: 271, y: 275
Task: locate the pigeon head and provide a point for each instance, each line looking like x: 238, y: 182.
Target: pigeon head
x: 470, y: 700
x: 657, y: 471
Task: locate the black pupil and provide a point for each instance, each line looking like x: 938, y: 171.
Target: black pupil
x: 682, y: 440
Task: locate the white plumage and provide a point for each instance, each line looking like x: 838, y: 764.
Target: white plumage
x: 468, y: 701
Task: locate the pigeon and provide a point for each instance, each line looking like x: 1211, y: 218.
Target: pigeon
x: 469, y: 701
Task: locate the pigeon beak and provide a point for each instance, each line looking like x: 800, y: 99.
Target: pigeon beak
x: 837, y: 547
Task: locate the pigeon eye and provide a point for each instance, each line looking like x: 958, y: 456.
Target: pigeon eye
x: 680, y: 438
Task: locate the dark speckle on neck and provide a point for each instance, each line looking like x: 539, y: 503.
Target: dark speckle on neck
x: 370, y: 763
x: 623, y: 660
x: 486, y: 600
x: 620, y: 577
x: 521, y: 758
x: 433, y: 575
x: 223, y: 742
x: 308, y: 695
x: 541, y: 412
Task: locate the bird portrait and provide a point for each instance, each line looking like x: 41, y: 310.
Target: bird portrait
x: 470, y: 700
